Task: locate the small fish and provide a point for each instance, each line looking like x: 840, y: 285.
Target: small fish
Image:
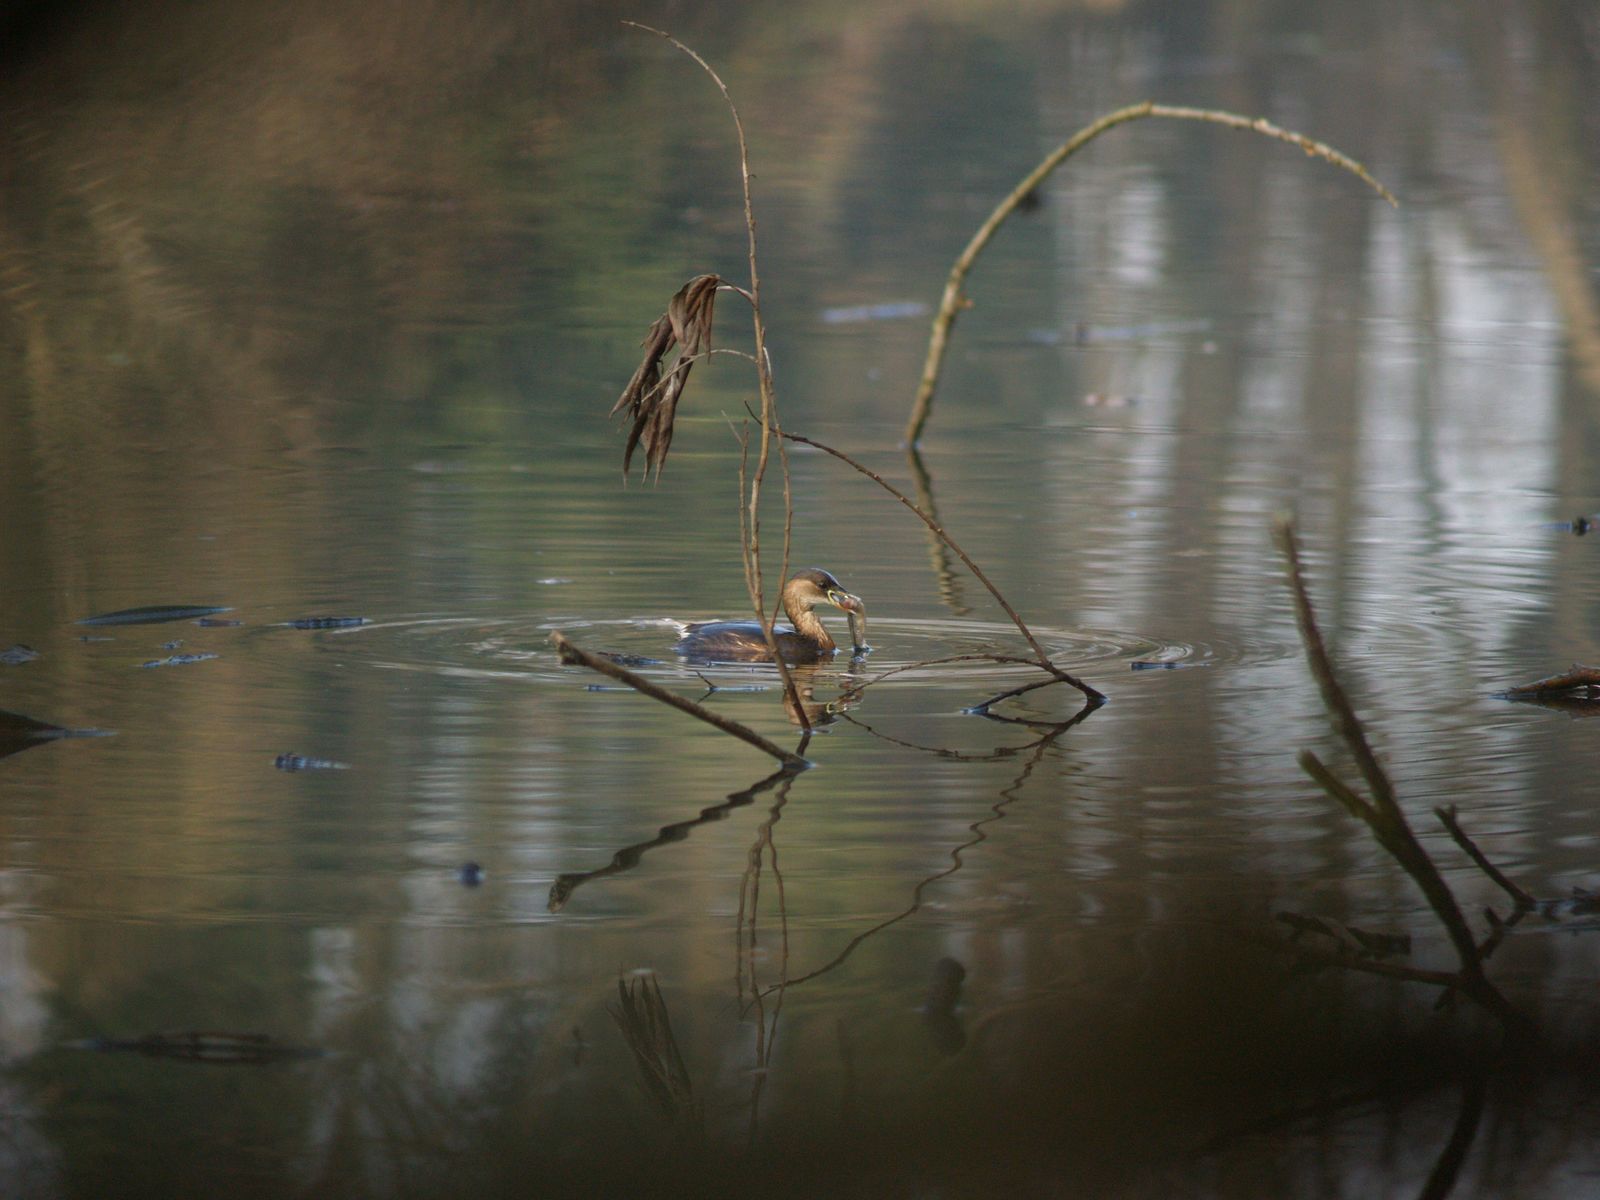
x: 298, y: 762
x: 179, y: 660
x: 172, y: 645
x: 1165, y: 665
x: 858, y: 628
x: 327, y: 622
x: 218, y: 623
x: 153, y: 614
x: 15, y: 656
x: 470, y: 874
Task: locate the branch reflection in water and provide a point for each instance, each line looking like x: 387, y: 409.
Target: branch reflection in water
x: 1009, y: 795
x: 747, y: 950
x: 627, y: 858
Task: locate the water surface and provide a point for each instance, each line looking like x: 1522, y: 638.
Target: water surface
x: 304, y: 320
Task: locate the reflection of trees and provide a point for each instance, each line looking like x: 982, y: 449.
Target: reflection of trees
x: 353, y: 266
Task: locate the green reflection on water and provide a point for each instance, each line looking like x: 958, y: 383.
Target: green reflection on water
x: 314, y: 311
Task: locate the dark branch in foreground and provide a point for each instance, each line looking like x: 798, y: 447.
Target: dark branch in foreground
x: 1381, y: 811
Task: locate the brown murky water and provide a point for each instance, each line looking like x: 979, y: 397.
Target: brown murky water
x: 315, y: 311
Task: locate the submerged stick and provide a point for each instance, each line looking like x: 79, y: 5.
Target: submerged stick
x: 576, y: 656
x: 954, y: 300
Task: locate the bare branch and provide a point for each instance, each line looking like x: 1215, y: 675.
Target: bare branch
x: 574, y: 655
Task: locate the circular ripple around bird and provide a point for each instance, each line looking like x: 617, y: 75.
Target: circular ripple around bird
x: 519, y: 647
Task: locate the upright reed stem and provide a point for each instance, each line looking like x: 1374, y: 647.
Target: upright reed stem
x: 751, y: 544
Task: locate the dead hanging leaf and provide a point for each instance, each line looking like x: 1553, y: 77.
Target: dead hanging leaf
x: 652, y: 401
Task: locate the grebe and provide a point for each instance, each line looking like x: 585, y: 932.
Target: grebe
x: 807, y: 641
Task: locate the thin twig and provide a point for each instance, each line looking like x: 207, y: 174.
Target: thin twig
x: 575, y: 655
x: 954, y: 300
x: 1042, y: 661
x: 1447, y: 817
x: 998, y: 810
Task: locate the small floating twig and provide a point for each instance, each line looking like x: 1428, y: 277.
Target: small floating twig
x: 574, y: 655
x: 154, y: 614
x: 1578, y: 681
x: 327, y: 622
x: 180, y: 660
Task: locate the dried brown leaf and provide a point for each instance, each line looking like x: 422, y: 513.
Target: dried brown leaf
x: 650, y: 399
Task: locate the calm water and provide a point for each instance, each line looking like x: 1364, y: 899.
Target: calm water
x: 312, y: 311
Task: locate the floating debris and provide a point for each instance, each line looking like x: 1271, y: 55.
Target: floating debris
x: 1577, y: 682
x: 857, y: 314
x: 179, y: 660
x: 299, y: 762
x: 470, y: 874
x: 552, y: 581
x: 19, y: 733
x: 172, y: 645
x: 154, y: 614
x: 15, y: 656
x: 1165, y: 664
x: 327, y: 622
x: 202, y: 1046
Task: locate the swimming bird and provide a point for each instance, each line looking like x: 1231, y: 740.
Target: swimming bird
x: 804, y: 640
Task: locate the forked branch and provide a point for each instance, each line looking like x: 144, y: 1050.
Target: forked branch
x: 1380, y: 811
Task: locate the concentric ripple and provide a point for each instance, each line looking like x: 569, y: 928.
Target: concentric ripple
x: 937, y: 651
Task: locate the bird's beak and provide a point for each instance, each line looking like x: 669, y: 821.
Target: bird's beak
x: 847, y: 602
